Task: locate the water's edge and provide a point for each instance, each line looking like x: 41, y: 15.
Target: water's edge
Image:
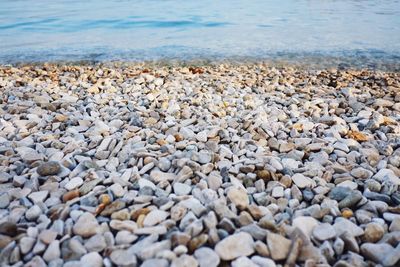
x: 347, y: 60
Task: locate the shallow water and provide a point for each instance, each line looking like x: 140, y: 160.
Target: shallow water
x: 102, y: 30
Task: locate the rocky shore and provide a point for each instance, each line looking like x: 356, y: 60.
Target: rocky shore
x: 241, y: 165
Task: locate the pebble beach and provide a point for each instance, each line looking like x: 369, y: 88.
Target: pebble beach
x: 202, y: 165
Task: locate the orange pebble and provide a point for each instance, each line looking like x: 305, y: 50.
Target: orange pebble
x: 140, y: 220
x: 347, y: 213
x: 178, y: 137
x: 100, y: 208
x: 105, y: 199
x: 135, y: 214
x: 70, y: 195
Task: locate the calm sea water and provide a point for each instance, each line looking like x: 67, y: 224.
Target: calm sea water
x: 42, y: 30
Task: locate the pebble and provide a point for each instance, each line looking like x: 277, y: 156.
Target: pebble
x: 234, y: 246
x: 206, y: 257
x: 73, y: 183
x: 278, y: 246
x: 122, y: 257
x: 155, y: 217
x: 33, y: 213
x: 345, y: 226
x: 52, y: 252
x: 49, y: 168
x: 243, y: 262
x: 92, y: 259
x: 86, y: 225
x: 302, y: 182
x: 238, y: 197
x: 306, y: 224
x: 373, y: 232
x: 181, y: 189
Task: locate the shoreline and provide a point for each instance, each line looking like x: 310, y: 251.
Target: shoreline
x: 123, y: 164
x: 358, y: 59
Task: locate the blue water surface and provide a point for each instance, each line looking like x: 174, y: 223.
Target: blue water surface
x: 102, y: 30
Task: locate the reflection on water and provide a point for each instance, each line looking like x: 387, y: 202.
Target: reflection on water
x: 152, y: 29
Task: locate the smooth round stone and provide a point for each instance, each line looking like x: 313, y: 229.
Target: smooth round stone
x: 122, y: 257
x: 206, y: 257
x: 243, y: 262
x: 181, y: 189
x: 324, y: 232
x: 92, y: 259
x: 49, y: 168
x: 373, y: 232
x: 164, y: 164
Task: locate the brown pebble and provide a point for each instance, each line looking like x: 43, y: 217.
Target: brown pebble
x: 162, y: 142
x: 178, y: 137
x: 70, y: 195
x: 264, y: 174
x: 8, y: 228
x: 197, y: 242
x: 100, y: 208
x: 140, y: 220
x: 136, y: 213
x: 286, y: 181
x: 4, y: 241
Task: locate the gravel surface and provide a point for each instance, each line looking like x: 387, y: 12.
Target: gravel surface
x: 218, y: 165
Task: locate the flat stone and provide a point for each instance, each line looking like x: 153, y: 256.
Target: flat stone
x: 234, y: 246
x: 302, y: 181
x: 123, y: 257
x: 38, y: 197
x: 73, y: 183
x: 361, y: 173
x: 181, y: 189
x: 86, y: 226
x: 159, y: 176
x: 277, y: 192
x: 344, y: 226
x: 96, y: 243
x: 206, y: 257
x: 52, y: 252
x: 26, y: 244
x: 155, y: 217
x: 376, y: 252
x: 387, y: 174
x: 324, y: 231
x: 306, y: 224
x: 278, y: 245
x: 238, y: 197
x: 33, y: 213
